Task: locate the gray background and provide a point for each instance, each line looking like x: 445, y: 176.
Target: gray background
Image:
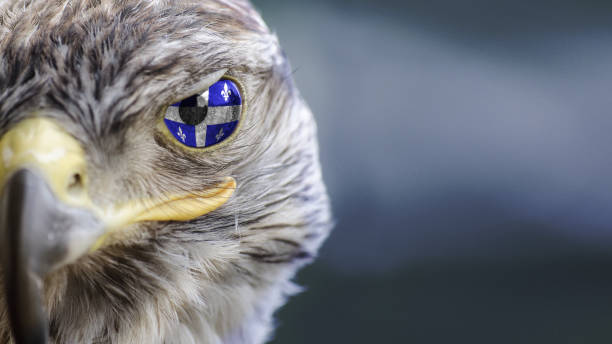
x: 466, y: 148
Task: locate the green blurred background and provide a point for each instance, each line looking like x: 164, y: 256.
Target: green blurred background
x: 466, y: 147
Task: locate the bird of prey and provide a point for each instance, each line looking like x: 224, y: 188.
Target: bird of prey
x: 159, y: 173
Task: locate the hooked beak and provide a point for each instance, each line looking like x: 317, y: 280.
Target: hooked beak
x: 37, y: 233
x: 47, y: 219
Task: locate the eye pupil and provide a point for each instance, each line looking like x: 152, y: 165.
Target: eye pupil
x: 191, y: 113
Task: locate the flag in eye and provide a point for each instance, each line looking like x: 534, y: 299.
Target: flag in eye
x: 206, y: 119
x: 183, y: 132
x: 225, y: 106
x: 216, y: 133
x: 224, y: 93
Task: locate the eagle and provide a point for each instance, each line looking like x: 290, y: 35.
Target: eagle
x: 159, y: 173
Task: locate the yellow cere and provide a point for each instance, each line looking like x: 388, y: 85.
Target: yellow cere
x: 41, y: 145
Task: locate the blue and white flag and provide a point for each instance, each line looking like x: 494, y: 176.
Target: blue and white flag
x: 206, y: 119
x: 224, y: 93
x: 183, y: 132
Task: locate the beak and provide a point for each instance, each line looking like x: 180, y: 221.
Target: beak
x: 47, y: 219
x: 37, y: 235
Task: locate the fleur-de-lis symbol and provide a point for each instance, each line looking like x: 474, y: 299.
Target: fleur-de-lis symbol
x: 226, y: 92
x: 219, y: 135
x: 181, y: 134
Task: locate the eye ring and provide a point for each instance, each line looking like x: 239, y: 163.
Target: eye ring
x: 215, y: 120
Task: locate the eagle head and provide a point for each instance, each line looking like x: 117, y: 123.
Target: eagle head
x: 159, y: 173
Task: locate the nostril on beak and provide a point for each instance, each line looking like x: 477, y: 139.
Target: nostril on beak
x: 75, y: 185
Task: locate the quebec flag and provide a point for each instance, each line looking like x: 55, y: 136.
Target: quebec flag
x: 224, y: 93
x: 207, y: 119
x: 182, y: 132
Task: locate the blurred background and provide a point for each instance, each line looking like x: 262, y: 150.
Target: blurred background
x: 466, y: 146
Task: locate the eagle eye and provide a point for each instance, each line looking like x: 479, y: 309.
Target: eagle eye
x: 206, y: 119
